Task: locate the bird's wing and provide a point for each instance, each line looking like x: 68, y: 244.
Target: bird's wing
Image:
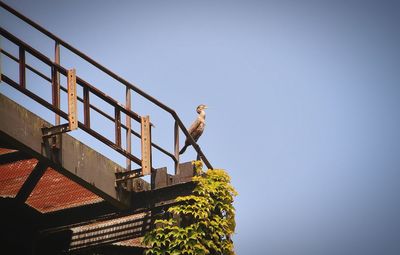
x: 197, y: 133
x: 195, y: 125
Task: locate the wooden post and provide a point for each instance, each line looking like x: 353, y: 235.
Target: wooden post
x: 72, y: 100
x: 146, y: 145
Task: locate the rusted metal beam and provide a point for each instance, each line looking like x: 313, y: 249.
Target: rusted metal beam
x: 86, y: 107
x: 22, y: 73
x: 11, y: 157
x: 146, y: 147
x: 117, y: 122
x: 72, y: 102
x: 128, y: 127
x: 31, y: 182
x: 176, y: 147
x: 55, y: 130
x: 56, y: 82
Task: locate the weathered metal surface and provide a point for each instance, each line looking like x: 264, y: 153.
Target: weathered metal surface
x: 54, y: 130
x: 52, y: 192
x: 56, y: 82
x: 12, y: 156
x: 160, y: 178
x: 22, y: 72
x: 31, y: 182
x: 109, y: 231
x: 146, y: 145
x: 72, y: 102
x: 13, y: 175
x: 128, y: 134
x: 86, y: 107
x: 176, y: 147
x: 77, y: 161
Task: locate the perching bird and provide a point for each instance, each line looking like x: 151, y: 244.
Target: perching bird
x: 197, y: 128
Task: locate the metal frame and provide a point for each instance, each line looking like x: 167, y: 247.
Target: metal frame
x: 89, y: 89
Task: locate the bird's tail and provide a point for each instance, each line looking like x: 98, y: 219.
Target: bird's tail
x: 184, y: 149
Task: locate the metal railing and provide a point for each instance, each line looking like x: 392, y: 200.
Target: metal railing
x: 57, y: 70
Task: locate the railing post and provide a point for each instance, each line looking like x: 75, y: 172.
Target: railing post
x: 86, y: 107
x: 56, y: 82
x: 117, y: 127
x: 146, y: 145
x: 22, y: 80
x: 128, y: 127
x: 1, y: 61
x: 176, y: 147
x: 72, y: 100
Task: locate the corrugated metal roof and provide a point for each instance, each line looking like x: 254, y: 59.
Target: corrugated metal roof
x: 53, y: 192
x: 107, y: 231
x: 13, y: 175
x: 56, y: 192
x: 5, y: 150
x: 134, y: 242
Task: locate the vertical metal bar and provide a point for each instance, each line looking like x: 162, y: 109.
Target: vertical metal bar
x: 86, y: 107
x: 146, y: 145
x: 72, y: 100
x: 56, y: 82
x: 176, y: 147
x: 117, y: 127
x: 22, y: 76
x: 128, y: 127
x: 1, y: 60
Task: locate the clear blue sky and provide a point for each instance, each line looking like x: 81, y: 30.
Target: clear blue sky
x: 304, y: 103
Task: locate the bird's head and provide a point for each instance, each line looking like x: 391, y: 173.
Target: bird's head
x: 201, y: 108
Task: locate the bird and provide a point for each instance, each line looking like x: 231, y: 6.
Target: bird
x: 197, y: 128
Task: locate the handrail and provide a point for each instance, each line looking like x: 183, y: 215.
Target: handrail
x: 113, y: 75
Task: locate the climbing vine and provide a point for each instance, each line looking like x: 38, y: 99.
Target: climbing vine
x: 201, y: 223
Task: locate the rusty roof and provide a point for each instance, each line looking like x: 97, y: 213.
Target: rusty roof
x: 53, y: 192
x: 56, y: 192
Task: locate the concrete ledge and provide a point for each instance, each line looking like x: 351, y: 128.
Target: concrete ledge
x: 23, y: 129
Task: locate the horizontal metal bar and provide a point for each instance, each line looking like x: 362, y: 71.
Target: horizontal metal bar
x: 64, y: 71
x: 34, y: 96
x: 65, y: 116
x: 109, y: 143
x: 92, y: 107
x: 27, y: 66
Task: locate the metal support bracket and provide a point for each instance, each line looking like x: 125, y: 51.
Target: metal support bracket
x: 55, y: 130
x: 121, y: 177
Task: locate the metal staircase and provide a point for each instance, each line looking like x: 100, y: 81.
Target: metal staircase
x: 29, y: 136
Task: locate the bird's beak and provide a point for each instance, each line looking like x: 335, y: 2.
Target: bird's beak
x: 206, y: 107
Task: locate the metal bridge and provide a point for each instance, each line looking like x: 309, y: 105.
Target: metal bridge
x: 118, y: 204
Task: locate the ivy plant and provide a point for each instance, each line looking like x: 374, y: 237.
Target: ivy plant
x: 200, y: 223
